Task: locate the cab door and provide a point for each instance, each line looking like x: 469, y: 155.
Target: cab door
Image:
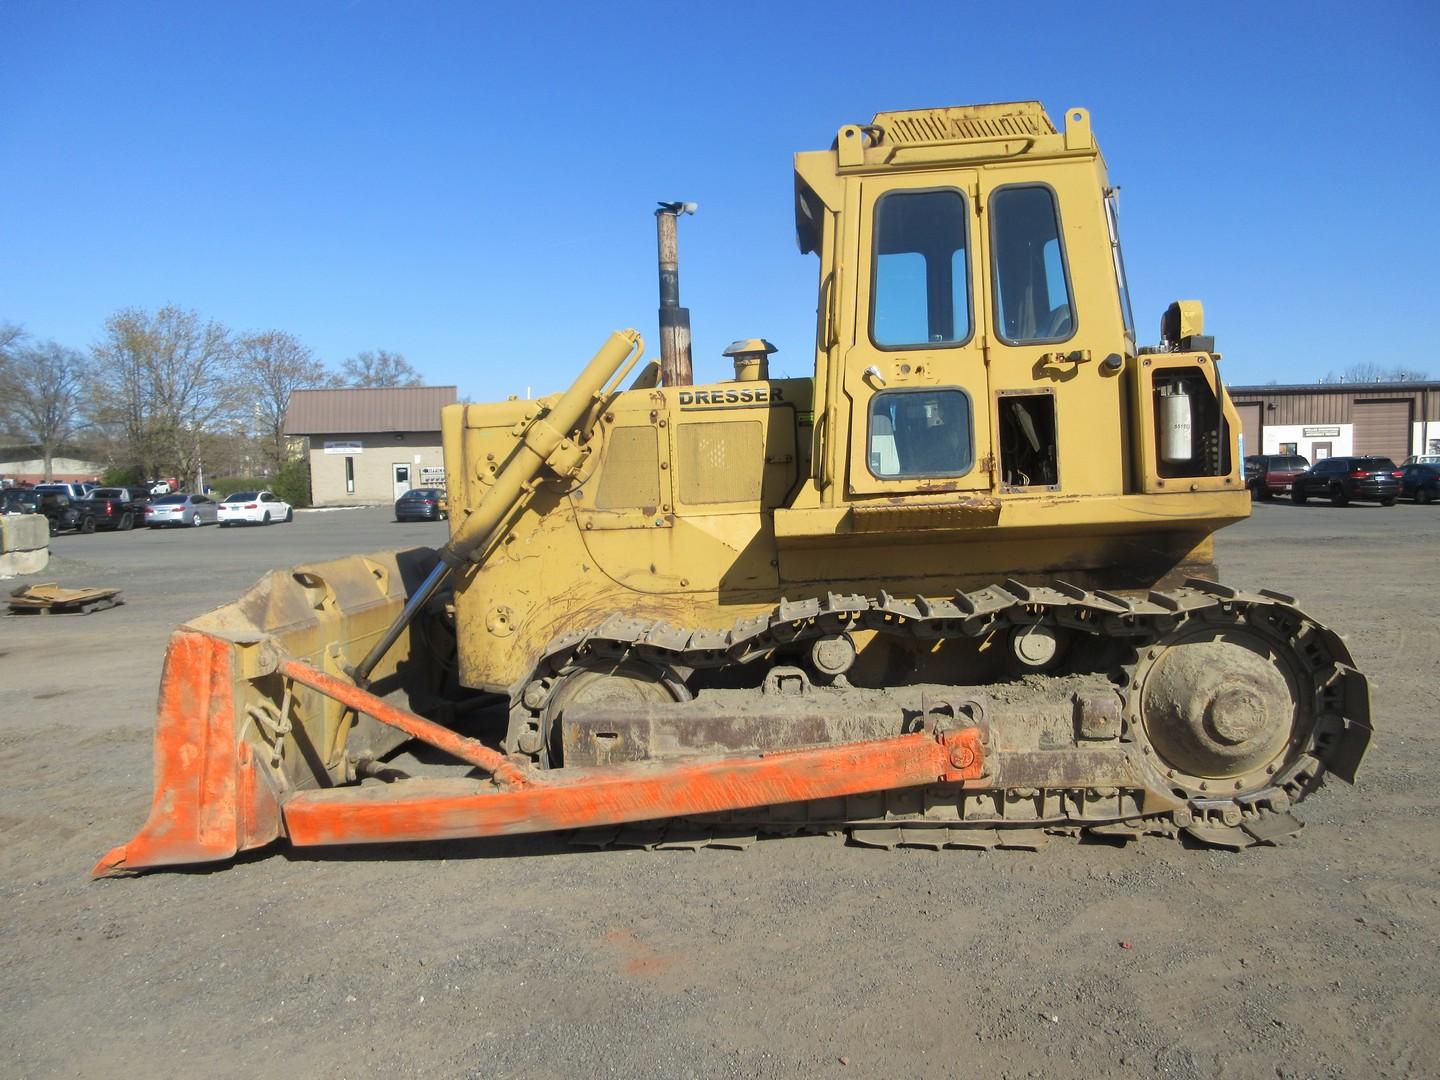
x: 914, y: 377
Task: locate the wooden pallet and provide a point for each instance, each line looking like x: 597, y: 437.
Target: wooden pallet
x: 51, y: 599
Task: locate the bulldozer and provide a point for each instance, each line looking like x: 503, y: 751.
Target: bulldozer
x: 957, y: 589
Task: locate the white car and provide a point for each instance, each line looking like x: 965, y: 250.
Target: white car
x: 254, y: 508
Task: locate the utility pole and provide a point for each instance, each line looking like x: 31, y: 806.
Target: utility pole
x: 675, y: 362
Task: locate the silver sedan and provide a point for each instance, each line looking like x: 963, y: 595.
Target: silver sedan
x: 193, y: 510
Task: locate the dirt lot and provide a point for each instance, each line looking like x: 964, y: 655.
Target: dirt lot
x: 799, y: 957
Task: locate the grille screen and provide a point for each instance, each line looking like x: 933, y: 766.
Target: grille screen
x: 630, y: 478
x: 721, y: 462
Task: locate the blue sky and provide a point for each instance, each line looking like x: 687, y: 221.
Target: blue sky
x: 472, y: 184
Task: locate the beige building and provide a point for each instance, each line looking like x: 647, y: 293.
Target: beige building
x: 1316, y: 421
x: 368, y: 446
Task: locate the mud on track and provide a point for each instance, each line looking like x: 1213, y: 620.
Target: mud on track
x: 525, y: 958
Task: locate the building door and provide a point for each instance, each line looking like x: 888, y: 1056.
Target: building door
x: 1251, y: 422
x: 402, y: 478
x: 1383, y: 428
x: 1319, y: 451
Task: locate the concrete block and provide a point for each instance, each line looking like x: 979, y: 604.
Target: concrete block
x: 24, y: 544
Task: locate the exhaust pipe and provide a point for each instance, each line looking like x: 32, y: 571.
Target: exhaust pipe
x: 675, y: 362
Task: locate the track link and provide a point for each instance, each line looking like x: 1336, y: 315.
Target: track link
x: 1333, y: 731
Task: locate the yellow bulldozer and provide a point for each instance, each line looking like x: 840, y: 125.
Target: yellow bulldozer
x: 957, y: 589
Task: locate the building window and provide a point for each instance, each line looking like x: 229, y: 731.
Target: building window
x: 350, y: 476
x: 1289, y: 448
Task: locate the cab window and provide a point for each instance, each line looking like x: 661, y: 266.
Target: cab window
x: 920, y: 276
x: 1032, y: 280
x: 921, y: 433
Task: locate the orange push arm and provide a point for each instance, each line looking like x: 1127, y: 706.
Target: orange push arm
x: 614, y: 795
x: 472, y: 751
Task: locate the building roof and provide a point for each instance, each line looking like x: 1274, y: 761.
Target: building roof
x: 386, y: 408
x: 1335, y: 388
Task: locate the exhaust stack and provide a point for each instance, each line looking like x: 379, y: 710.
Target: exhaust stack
x: 675, y: 361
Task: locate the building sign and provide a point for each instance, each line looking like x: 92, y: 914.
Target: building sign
x: 432, y: 475
x: 1320, y: 432
x: 349, y: 447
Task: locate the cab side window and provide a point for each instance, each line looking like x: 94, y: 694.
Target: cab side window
x: 921, y: 270
x: 1032, y: 279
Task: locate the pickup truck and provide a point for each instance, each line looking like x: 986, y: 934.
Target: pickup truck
x: 117, y: 508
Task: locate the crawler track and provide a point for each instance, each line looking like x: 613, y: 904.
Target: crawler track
x: 1326, y: 731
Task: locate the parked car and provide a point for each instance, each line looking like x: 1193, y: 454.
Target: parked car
x: 1268, y: 475
x: 1421, y: 482
x: 116, y: 508
x: 182, y: 509
x: 1346, y: 479
x: 1421, y: 459
x: 65, y: 514
x: 422, y: 504
x: 254, y: 508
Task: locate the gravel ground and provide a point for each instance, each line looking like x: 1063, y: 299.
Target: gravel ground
x: 797, y: 957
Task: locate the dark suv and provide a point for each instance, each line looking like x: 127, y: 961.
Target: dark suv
x: 1342, y: 479
x: 64, y: 515
x: 1268, y: 475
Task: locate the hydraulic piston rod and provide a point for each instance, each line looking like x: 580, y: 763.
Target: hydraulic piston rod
x: 553, y: 430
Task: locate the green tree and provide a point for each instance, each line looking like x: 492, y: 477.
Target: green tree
x: 292, y: 482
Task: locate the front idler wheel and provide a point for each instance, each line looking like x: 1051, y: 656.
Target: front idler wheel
x: 536, y: 728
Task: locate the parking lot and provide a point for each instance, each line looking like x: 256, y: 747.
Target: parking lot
x: 798, y: 957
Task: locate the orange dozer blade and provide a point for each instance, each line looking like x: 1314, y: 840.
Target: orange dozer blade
x: 211, y: 799
x: 233, y: 737
x: 261, y: 735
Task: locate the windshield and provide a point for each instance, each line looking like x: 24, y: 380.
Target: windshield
x: 170, y: 500
x: 242, y: 496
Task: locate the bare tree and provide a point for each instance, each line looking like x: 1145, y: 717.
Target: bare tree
x: 378, y: 368
x: 169, y: 379
x: 41, y: 390
x: 276, y: 364
x: 10, y: 337
x: 1368, y: 371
